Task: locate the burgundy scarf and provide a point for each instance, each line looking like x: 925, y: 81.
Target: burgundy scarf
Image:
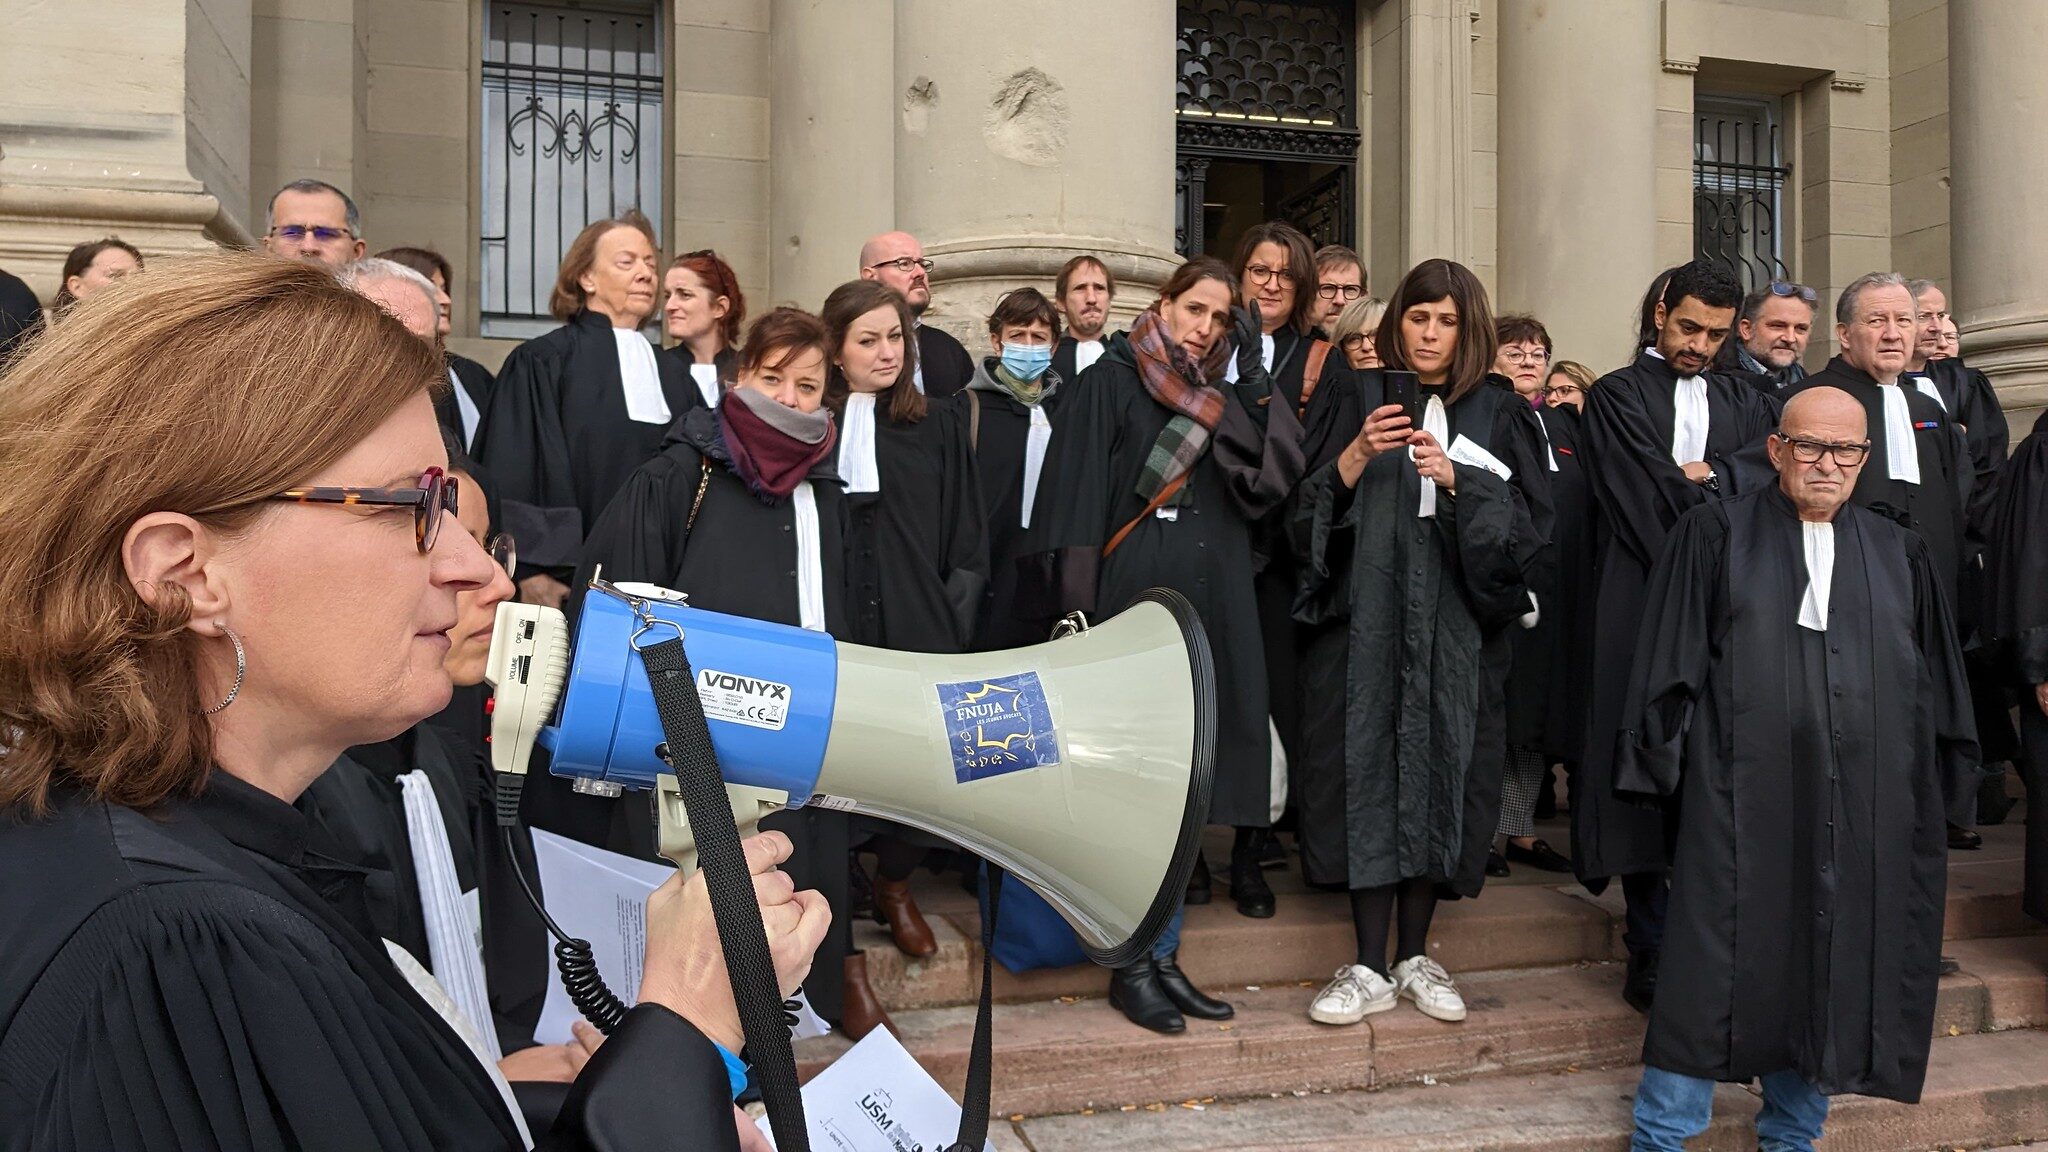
x: 773, y: 447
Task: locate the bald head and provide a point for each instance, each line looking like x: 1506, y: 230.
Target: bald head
x: 896, y: 260
x: 1826, y: 424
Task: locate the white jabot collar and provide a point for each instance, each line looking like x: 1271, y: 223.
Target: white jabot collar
x: 1437, y: 423
x: 857, y: 445
x: 1689, y: 425
x: 1902, y: 453
x: 1087, y: 352
x: 706, y: 376
x: 1266, y: 347
x: 641, y: 378
x: 465, y: 410
x: 810, y: 577
x: 1035, y: 440
x: 1819, y: 540
x: 1925, y: 383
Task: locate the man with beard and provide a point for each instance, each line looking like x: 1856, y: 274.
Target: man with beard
x: 1662, y: 436
x: 1798, y: 690
x: 898, y: 261
x: 1772, y: 330
x: 1082, y: 293
x: 1340, y: 279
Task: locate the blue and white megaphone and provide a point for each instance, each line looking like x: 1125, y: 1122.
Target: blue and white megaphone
x: 1081, y: 765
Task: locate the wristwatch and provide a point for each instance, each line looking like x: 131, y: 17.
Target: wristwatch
x: 1711, y: 481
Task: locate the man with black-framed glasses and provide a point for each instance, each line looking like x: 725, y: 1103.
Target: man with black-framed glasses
x: 313, y: 221
x: 1772, y: 331
x: 1798, y: 694
x: 897, y: 260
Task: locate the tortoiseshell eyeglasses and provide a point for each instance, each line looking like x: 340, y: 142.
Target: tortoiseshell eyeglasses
x: 435, y: 495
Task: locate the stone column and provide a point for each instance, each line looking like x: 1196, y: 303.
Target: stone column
x: 1436, y: 131
x: 130, y: 118
x: 832, y: 140
x: 1578, y: 227
x: 1998, y: 97
x: 1028, y: 133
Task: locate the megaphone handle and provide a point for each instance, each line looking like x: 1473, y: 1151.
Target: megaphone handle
x: 974, y: 1104
x: 733, y: 903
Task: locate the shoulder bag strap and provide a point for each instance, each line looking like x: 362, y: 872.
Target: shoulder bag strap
x: 1158, y: 502
x: 1311, y: 372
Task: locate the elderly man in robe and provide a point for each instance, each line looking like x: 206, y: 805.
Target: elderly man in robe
x: 1798, y: 689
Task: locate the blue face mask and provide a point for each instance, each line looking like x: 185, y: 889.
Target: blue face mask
x: 1027, y: 362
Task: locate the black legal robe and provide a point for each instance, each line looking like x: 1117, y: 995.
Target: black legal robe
x: 999, y: 427
x: 1278, y: 571
x: 477, y: 383
x: 917, y: 551
x: 1972, y: 402
x: 1638, y: 494
x: 1813, y: 771
x: 942, y: 362
x: 21, y: 314
x: 739, y: 558
x: 2015, y: 629
x: 189, y: 984
x: 1405, y: 726
x: 1934, y: 507
x: 1065, y: 363
x: 679, y: 359
x: 516, y: 943
x: 558, y: 441
x: 359, y: 807
x: 1547, y: 686
x: 1200, y: 545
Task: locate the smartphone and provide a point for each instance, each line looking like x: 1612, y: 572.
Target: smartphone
x: 1405, y: 389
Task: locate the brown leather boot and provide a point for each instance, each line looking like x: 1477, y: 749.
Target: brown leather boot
x: 860, y: 1011
x: 906, y: 923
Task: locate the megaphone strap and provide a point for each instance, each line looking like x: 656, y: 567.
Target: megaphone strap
x: 733, y: 905
x: 981, y: 1052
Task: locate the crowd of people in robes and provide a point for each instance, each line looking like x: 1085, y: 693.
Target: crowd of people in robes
x: 1763, y: 632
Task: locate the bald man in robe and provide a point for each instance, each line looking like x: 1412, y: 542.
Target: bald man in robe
x: 897, y: 260
x: 1799, y: 692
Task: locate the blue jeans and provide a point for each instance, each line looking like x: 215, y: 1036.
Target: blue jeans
x: 1169, y: 938
x: 1671, y: 1109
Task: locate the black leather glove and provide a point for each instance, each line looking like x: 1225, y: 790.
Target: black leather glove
x: 1252, y: 381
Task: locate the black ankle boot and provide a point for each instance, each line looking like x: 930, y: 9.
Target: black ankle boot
x: 1248, y: 884
x: 1135, y: 991
x: 1640, y: 989
x: 1198, y: 882
x: 1185, y: 995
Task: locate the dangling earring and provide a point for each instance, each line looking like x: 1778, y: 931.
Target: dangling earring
x: 241, y: 670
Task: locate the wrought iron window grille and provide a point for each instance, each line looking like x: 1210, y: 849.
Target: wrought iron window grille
x: 1739, y: 182
x: 572, y: 133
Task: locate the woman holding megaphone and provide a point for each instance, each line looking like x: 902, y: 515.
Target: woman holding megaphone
x: 225, y: 557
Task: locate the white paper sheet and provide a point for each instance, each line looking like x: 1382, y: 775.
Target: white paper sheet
x: 601, y: 897
x: 876, y: 1098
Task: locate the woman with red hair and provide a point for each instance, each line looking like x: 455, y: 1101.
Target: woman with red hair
x: 701, y: 310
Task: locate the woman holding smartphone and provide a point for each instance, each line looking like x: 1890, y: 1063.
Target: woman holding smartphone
x: 1425, y: 507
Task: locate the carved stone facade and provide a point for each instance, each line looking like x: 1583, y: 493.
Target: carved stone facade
x: 1551, y: 144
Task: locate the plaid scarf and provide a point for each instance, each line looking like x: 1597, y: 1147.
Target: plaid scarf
x: 1180, y: 386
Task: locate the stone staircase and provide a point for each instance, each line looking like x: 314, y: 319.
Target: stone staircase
x: 1544, y: 1063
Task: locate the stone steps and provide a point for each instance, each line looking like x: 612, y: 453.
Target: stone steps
x: 1530, y: 924
x: 1982, y: 1091
x: 1066, y: 1055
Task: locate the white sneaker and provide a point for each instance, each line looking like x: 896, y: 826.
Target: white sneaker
x: 1356, y: 993
x: 1424, y: 981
